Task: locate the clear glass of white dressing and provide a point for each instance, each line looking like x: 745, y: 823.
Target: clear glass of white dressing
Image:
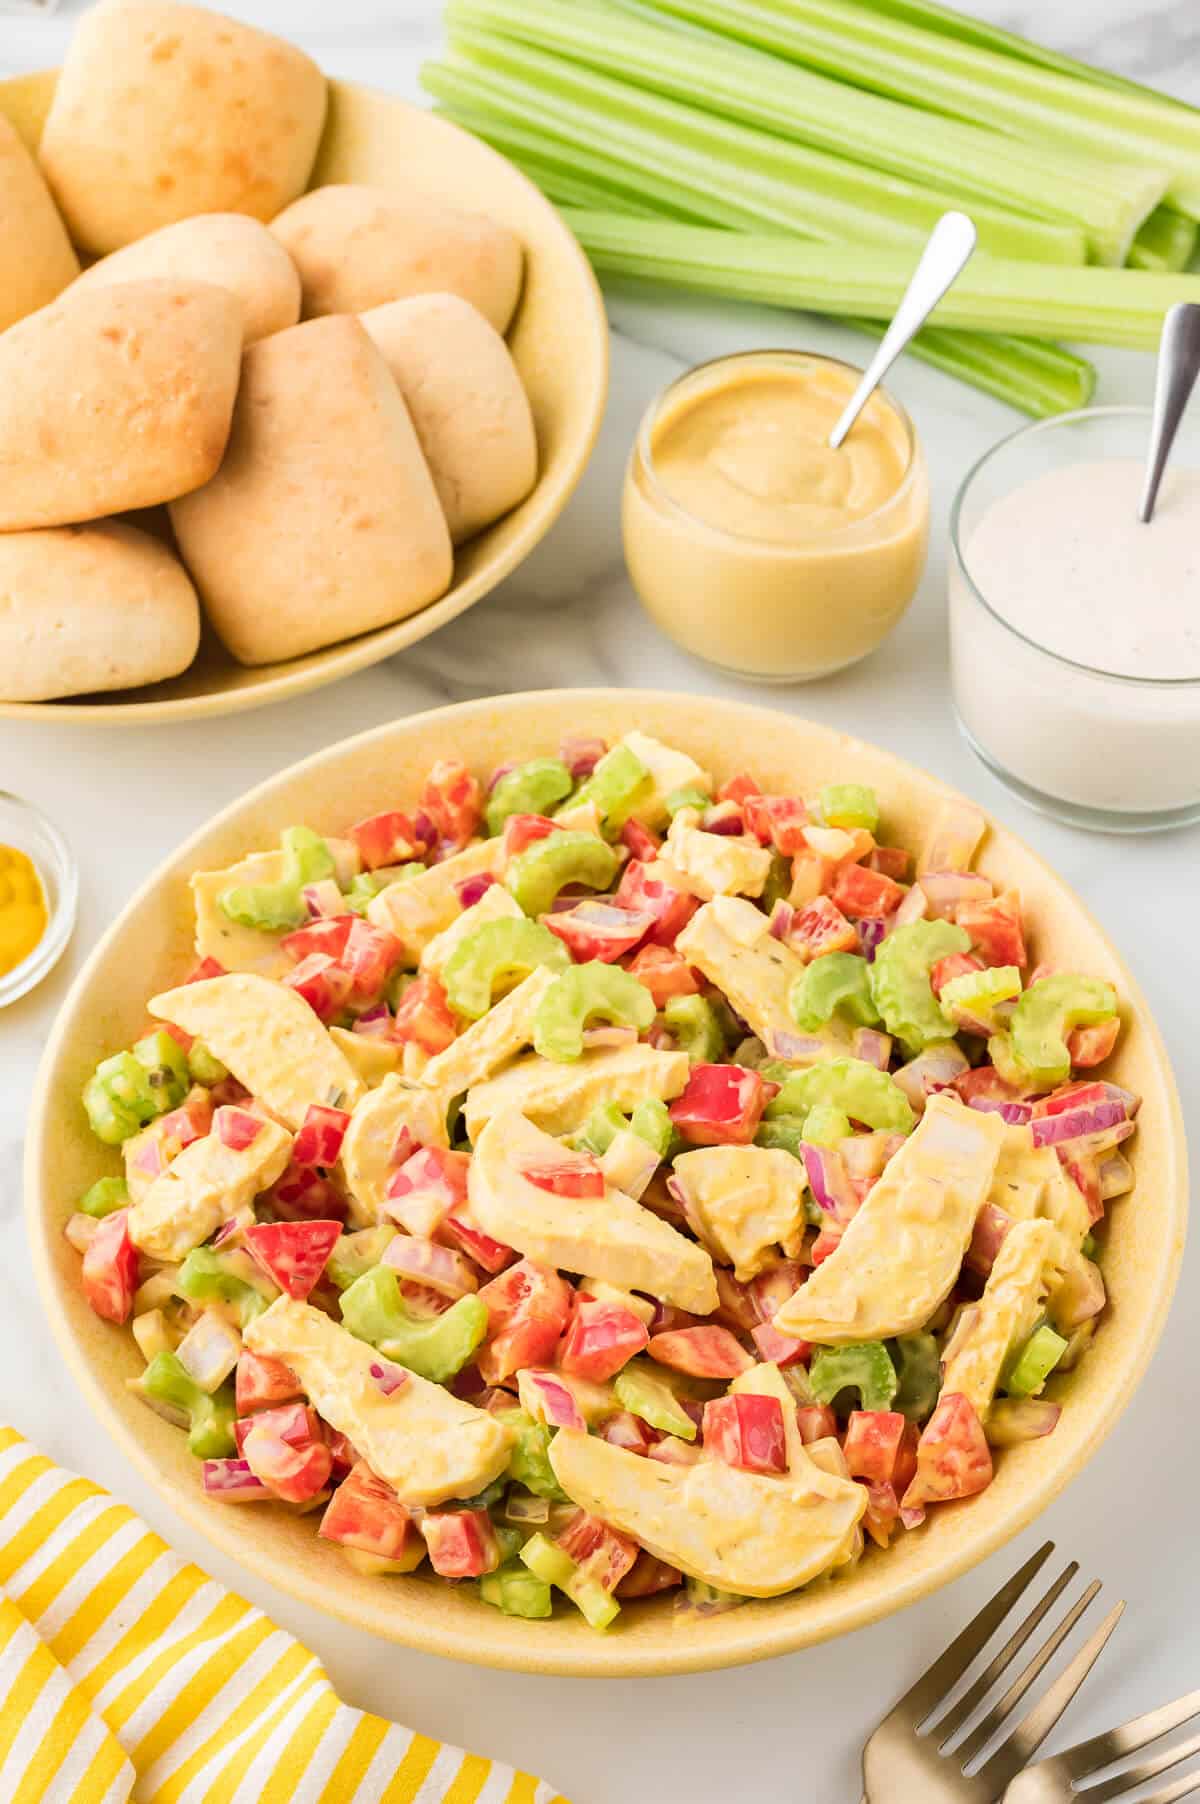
x: 1074, y: 628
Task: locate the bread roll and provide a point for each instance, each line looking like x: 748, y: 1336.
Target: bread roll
x: 323, y: 520
x: 358, y: 247
x: 467, y: 404
x: 228, y: 249
x: 164, y: 110
x: 115, y: 398
x: 89, y: 608
x: 36, y: 259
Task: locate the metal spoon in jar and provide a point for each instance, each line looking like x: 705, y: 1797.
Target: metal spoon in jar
x: 950, y: 245
x: 1178, y: 367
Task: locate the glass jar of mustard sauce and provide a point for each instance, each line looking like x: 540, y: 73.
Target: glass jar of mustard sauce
x: 749, y: 541
x: 39, y: 887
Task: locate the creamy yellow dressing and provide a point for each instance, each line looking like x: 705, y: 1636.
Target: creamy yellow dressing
x: 24, y: 915
x: 753, y: 543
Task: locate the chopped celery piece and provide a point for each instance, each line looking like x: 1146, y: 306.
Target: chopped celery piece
x: 499, y: 952
x: 859, y: 1090
x: 586, y: 993
x: 1089, y: 1246
x: 850, y: 805
x: 516, y: 1591
x: 693, y: 1021
x: 645, y: 1392
x: 207, y: 1276
x: 993, y: 294
x: 531, y: 788
x: 435, y: 1347
x: 354, y: 1254
x: 119, y: 1099
x: 836, y: 983
x: 554, y: 1567
x: 863, y: 1366
x: 784, y: 1133
x: 536, y: 875
x: 917, y: 1359
x: 529, y: 1463
x: 103, y: 1197
x: 367, y: 884
x: 1045, y: 1015
x: 686, y: 798
x: 600, y: 1129
x: 708, y: 1599
x: 941, y: 75
x: 1035, y: 1362
x: 705, y: 89
x: 651, y: 1122
x: 825, y: 1125
x: 615, y: 786
x: 778, y: 884
x: 210, y: 1418
x: 166, y: 1066
x: 900, y: 980
x: 203, y: 1067
x: 275, y: 907
x: 977, y: 993
x: 1165, y: 242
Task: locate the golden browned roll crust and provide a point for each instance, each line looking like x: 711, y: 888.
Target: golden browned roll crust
x: 357, y: 247
x: 88, y: 608
x: 164, y: 110
x: 323, y: 520
x: 115, y: 398
x: 36, y: 259
x: 467, y: 403
x: 231, y: 250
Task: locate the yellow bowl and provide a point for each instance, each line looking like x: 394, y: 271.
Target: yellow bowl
x: 559, y: 341
x: 150, y: 947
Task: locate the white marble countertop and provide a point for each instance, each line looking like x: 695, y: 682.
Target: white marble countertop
x: 789, y: 1731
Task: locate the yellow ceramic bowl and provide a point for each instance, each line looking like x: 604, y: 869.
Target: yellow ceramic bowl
x: 559, y: 341
x: 150, y: 947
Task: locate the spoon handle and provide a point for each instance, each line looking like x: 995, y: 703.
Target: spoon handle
x: 1178, y: 367
x: 950, y: 245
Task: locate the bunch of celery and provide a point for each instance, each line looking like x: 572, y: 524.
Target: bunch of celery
x: 718, y: 145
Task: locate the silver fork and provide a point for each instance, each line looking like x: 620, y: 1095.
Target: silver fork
x: 1050, y: 1781
x: 902, y: 1766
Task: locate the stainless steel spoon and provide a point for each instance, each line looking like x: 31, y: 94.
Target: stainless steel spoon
x: 1178, y: 367
x: 950, y: 245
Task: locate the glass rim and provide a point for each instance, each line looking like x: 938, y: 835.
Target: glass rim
x: 1033, y: 429
x: 62, y: 903
x: 839, y: 535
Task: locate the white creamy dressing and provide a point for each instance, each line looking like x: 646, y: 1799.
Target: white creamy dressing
x: 1065, y: 561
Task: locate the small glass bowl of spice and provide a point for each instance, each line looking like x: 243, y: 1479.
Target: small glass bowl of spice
x: 39, y: 888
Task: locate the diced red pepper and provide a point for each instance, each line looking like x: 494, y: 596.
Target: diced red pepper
x: 720, y: 1105
x: 822, y: 927
x: 600, y: 1339
x: 322, y: 1131
x: 425, y: 1188
x: 423, y: 1016
x: 780, y: 1349
x: 293, y: 1253
x: 1084, y: 1173
x: 648, y: 1576
x: 641, y: 842
x: 294, y: 1463
x: 110, y: 1268
x: 736, y: 1307
x: 262, y: 1381
x: 327, y: 935
x: 453, y: 800
x: 738, y: 788
x: 365, y: 1512
x: 882, y: 1513
x: 812, y: 876
x: 575, y: 1175
x: 991, y: 1225
x: 747, y: 1432
x: 599, y: 930
x: 604, y: 1554
x: 995, y: 928
x: 665, y: 973
x: 387, y: 839
x: 816, y: 1422
x: 528, y: 1310
x: 370, y: 955
x: 704, y: 1352
x: 777, y: 821
x: 207, y: 967
x: 461, y: 1543
x: 523, y: 830
x: 462, y: 1228
x: 892, y: 861
x: 1090, y: 1046
x: 302, y: 1194
x: 192, y: 1120
x: 956, y: 964
x: 859, y: 892
x: 671, y: 909
x: 623, y: 1429
x: 872, y: 1445
x: 236, y: 1128
x: 323, y: 983
x: 953, y: 1458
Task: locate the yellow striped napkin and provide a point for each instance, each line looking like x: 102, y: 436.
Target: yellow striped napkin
x: 127, y: 1674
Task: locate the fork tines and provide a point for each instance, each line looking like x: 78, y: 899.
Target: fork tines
x: 1051, y: 1781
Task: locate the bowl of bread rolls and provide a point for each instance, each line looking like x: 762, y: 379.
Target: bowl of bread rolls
x: 291, y: 372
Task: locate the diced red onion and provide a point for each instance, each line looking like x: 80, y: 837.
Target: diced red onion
x: 375, y: 1023
x: 581, y: 756
x: 872, y: 1047
x: 946, y: 890
x: 608, y: 1035
x: 470, y: 889
x: 501, y: 770
x: 796, y: 1046
x: 726, y: 819
x: 866, y: 1155
x: 872, y: 930
x: 209, y: 1350
x: 438, y: 1267
x: 830, y: 1181
x: 914, y: 907
x: 388, y: 1377
x: 1015, y: 1419
x: 1116, y: 1177
x: 547, y: 1399
x: 956, y: 834
x: 80, y: 1230
x: 323, y: 898
x: 1080, y: 1295
x: 783, y: 919
x: 233, y: 1482
x: 1077, y: 1124
x: 932, y: 1070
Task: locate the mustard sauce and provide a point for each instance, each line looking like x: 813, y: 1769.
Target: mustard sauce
x: 24, y: 915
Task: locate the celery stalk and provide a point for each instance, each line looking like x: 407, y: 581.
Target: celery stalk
x: 1097, y: 306
x: 784, y: 185
x: 1100, y: 200
x: 893, y: 56
x: 1166, y: 241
